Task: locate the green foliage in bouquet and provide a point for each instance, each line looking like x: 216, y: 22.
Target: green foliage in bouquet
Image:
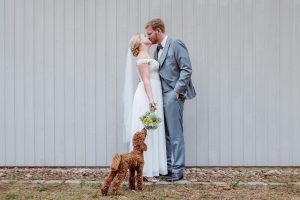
x: 150, y: 120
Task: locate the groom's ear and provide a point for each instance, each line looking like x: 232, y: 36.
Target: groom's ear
x: 158, y: 30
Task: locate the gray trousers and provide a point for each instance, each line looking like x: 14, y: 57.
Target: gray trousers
x: 173, y: 109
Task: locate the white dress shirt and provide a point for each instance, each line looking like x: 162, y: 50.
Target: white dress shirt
x: 163, y: 44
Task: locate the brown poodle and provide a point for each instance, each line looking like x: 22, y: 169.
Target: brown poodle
x: 134, y: 161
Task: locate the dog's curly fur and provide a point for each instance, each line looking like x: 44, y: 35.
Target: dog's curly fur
x: 134, y: 161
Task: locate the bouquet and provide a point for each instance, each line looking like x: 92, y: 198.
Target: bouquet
x: 150, y: 120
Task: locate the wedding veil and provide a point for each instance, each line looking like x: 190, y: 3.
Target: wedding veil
x: 130, y: 83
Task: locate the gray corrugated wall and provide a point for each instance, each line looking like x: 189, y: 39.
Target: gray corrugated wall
x: 61, y: 75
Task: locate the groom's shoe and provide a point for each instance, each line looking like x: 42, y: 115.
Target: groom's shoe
x: 163, y: 177
x: 168, y: 174
x: 174, y: 177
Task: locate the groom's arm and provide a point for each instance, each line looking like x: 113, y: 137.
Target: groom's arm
x: 185, y: 67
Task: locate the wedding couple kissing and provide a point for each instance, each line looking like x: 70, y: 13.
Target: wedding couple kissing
x: 165, y: 83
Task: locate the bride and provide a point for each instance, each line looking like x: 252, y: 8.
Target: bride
x: 147, y: 96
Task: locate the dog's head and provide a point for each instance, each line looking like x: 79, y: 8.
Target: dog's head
x: 138, y: 140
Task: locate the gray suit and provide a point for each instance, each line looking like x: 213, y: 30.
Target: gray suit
x: 175, y: 73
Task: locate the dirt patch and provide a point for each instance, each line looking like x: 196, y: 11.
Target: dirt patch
x: 216, y: 174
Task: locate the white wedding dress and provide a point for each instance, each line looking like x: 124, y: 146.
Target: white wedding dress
x: 155, y: 156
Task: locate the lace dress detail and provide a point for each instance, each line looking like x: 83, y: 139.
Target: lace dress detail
x: 153, y: 66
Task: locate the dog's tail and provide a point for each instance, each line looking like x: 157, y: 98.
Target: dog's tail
x: 116, y: 160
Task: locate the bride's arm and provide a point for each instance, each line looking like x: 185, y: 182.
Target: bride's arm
x: 145, y: 76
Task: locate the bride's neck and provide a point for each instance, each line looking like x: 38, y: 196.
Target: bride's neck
x: 145, y: 48
x: 144, y: 52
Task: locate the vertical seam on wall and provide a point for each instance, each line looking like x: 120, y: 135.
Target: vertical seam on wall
x: 218, y: 79
x: 84, y: 81
x: 24, y: 82
x: 44, y: 88
x: 74, y: 83
x: 242, y: 73
x: 105, y: 77
x: 14, y: 82
x: 116, y: 74
x: 34, y: 92
x: 254, y: 78
x: 64, y: 76
x: 95, y: 76
x: 197, y: 52
x: 229, y: 78
x: 54, y: 71
x: 4, y: 80
x: 278, y: 82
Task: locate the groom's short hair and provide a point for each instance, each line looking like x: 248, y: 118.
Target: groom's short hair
x: 155, y: 24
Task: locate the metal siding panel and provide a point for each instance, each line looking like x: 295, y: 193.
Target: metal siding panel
x: 10, y: 83
x: 223, y: 63
x: 90, y: 81
x: 285, y: 83
x: 70, y: 159
x: 260, y: 102
x: 236, y: 84
x: 29, y: 85
x: 101, y: 87
x: 155, y: 9
x: 2, y: 85
x: 214, y: 104
x: 19, y: 82
x: 80, y: 140
x: 295, y: 89
x: 49, y: 84
x: 166, y: 13
x: 249, y: 84
x: 177, y: 24
x: 39, y: 82
x: 122, y: 47
x: 202, y: 85
x: 144, y: 13
x: 111, y: 72
x: 189, y: 117
x: 271, y: 77
x: 59, y: 83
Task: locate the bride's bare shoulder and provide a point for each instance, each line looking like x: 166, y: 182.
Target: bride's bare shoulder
x: 143, y: 56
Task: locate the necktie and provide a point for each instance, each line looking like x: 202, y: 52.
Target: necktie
x: 159, y: 47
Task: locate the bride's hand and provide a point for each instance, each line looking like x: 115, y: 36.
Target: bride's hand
x: 152, y: 105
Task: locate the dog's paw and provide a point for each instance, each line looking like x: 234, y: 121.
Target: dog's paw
x: 132, y: 188
x: 104, y: 192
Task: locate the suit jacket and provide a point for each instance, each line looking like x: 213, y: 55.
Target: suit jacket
x: 175, y: 67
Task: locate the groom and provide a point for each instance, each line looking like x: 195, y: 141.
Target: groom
x: 175, y: 73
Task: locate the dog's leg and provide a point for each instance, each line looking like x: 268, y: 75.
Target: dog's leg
x: 120, y: 177
x: 139, y: 177
x: 107, y: 182
x: 116, y: 160
x: 132, y: 179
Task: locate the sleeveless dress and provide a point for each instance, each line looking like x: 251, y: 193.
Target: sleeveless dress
x: 155, y: 156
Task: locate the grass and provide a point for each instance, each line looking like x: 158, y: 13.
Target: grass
x: 11, y: 195
x: 234, y: 183
x: 42, y: 188
x: 86, y: 190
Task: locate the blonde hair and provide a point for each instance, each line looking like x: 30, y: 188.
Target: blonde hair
x: 155, y: 24
x: 135, y: 44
